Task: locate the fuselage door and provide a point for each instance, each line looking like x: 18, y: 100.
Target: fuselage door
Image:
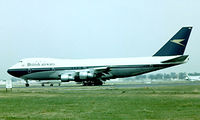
x: 29, y: 70
x: 52, y: 69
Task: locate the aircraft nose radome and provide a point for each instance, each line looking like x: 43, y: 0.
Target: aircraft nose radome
x: 9, y: 71
x: 17, y: 72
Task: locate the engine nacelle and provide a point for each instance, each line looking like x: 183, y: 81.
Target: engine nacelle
x: 67, y: 77
x: 78, y: 76
x: 83, y: 75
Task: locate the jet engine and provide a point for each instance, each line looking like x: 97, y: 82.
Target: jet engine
x: 84, y: 75
x: 67, y: 77
x: 78, y: 76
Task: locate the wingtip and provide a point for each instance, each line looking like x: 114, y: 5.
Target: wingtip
x: 189, y: 27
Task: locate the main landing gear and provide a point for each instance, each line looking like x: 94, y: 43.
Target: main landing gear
x: 92, y: 83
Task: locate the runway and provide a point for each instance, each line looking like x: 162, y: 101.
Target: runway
x: 107, y: 86
x: 154, y: 85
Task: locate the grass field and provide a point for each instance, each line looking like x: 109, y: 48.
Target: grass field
x: 101, y: 103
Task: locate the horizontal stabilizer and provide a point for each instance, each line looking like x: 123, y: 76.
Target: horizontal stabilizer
x: 177, y: 59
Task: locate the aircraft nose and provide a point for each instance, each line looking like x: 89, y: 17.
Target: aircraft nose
x: 17, y: 72
x: 9, y: 71
x: 12, y: 72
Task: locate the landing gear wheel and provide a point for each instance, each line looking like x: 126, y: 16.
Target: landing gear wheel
x: 51, y: 84
x: 42, y: 85
x: 92, y: 83
x: 98, y: 83
x: 85, y: 83
x: 27, y: 85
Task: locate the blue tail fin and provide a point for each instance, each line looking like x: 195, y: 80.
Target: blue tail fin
x: 176, y: 45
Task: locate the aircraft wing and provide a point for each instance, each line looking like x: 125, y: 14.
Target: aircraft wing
x: 102, y: 73
x: 84, y: 74
x: 101, y: 70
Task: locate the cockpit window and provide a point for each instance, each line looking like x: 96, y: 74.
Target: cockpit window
x: 20, y: 61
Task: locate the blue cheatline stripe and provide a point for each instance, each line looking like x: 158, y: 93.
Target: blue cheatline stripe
x: 25, y: 71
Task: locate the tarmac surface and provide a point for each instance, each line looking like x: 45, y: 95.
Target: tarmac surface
x: 107, y: 86
x: 155, y: 85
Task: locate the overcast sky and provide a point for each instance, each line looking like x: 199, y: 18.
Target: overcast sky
x: 95, y: 29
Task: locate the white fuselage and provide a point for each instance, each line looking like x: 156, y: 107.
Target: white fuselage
x: 48, y: 68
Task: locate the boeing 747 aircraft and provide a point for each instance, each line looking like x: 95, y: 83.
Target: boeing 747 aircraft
x: 95, y: 71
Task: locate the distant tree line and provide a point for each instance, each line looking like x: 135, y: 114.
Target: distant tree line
x: 194, y: 74
x: 165, y: 76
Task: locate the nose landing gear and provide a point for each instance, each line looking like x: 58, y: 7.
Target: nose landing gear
x: 27, y: 84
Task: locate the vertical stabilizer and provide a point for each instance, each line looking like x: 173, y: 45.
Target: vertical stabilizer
x: 177, y: 44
